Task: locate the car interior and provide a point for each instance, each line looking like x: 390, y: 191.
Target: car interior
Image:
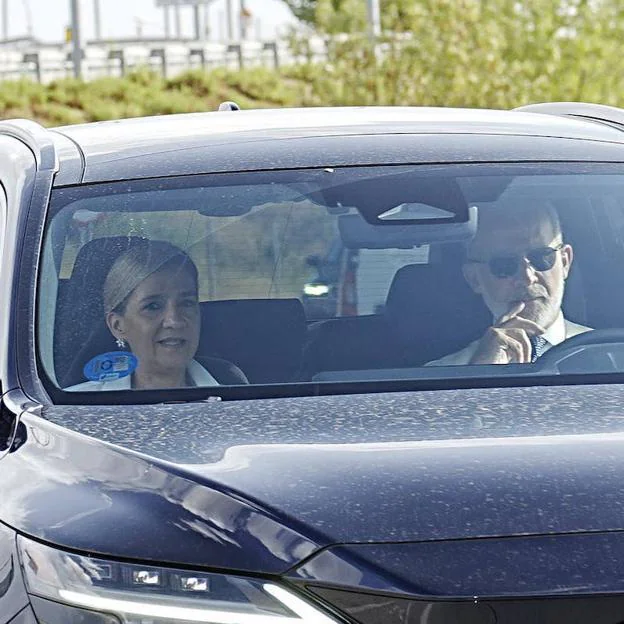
x: 429, y: 309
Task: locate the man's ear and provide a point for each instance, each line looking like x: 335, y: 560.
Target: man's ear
x: 567, y: 255
x: 115, y: 323
x: 471, y: 275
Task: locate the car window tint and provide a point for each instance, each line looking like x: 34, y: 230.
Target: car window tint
x: 353, y: 274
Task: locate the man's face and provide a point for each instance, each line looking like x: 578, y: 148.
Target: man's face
x: 540, y: 291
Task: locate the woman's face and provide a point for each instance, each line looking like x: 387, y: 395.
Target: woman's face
x: 161, y: 322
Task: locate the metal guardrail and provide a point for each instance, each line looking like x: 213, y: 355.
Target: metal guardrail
x: 47, y: 63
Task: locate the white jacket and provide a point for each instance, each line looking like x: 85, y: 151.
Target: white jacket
x: 199, y: 375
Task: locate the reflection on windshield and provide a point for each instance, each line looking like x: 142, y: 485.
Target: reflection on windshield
x: 341, y: 275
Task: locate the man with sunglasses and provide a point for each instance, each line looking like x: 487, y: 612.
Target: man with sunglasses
x: 518, y: 263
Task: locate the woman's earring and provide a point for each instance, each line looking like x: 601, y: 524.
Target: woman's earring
x: 121, y: 343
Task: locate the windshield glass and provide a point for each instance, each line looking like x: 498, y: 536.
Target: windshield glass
x: 333, y: 275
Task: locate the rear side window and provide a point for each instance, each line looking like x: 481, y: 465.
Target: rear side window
x: 331, y: 275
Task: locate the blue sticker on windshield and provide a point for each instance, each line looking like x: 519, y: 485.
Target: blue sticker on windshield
x: 110, y: 366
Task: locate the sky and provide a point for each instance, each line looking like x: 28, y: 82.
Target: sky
x: 47, y: 19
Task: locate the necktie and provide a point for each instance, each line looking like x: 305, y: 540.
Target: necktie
x: 539, y: 345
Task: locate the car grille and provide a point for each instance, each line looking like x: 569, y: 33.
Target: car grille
x: 368, y: 608
x: 371, y: 608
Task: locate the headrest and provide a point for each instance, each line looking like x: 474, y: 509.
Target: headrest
x: 93, y: 262
x: 432, y: 305
x: 574, y: 303
x: 420, y: 288
x: 80, y: 304
x: 263, y: 337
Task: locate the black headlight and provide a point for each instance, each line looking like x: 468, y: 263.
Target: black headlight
x: 70, y: 588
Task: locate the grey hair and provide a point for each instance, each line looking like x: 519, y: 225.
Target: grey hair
x: 143, y: 258
x: 517, y: 211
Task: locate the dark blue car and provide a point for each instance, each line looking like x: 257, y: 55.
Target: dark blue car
x: 185, y: 437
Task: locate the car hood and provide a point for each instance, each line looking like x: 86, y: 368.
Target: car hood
x: 397, y: 467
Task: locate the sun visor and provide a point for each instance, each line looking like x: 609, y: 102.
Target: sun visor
x: 357, y: 233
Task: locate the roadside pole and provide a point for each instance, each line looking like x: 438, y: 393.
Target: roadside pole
x: 97, y: 19
x: 374, y: 19
x: 178, y: 21
x: 197, y: 22
x: 76, y: 47
x: 167, y: 22
x: 5, y: 19
x: 244, y: 20
x: 230, y: 19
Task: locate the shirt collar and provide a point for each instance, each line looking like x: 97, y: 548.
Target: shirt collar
x: 556, y: 333
x: 199, y: 375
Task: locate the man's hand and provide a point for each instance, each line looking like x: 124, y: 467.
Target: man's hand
x: 507, y: 341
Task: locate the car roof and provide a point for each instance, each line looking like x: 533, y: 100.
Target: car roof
x: 142, y: 147
x: 157, y: 132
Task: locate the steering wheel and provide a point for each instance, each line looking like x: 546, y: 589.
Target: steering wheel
x: 596, y: 351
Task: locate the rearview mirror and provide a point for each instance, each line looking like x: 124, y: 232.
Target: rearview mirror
x: 356, y: 233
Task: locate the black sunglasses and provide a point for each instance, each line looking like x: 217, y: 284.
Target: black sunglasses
x: 541, y: 259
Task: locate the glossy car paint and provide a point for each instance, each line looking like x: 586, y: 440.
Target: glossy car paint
x: 484, y: 452
x: 367, y: 149
x: 463, y: 475
x: 280, y: 486
x: 82, y: 494
x: 13, y: 598
x: 529, y: 565
x: 30, y: 170
x: 254, y: 140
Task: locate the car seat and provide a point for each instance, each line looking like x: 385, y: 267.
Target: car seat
x: 80, y: 308
x: 430, y: 311
x: 264, y: 337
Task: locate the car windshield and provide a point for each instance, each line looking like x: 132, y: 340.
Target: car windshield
x: 334, y: 275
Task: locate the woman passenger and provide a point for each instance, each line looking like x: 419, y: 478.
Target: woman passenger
x: 151, y: 308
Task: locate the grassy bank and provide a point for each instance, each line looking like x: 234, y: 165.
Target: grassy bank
x: 144, y: 92
x: 472, y: 71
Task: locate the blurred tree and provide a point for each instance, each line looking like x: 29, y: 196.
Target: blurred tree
x: 304, y: 10
x: 492, y: 53
x: 330, y: 15
x: 340, y: 16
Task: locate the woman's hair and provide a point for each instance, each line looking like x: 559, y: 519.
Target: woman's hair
x: 142, y: 258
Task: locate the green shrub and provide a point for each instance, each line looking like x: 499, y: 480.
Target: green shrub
x: 472, y: 53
